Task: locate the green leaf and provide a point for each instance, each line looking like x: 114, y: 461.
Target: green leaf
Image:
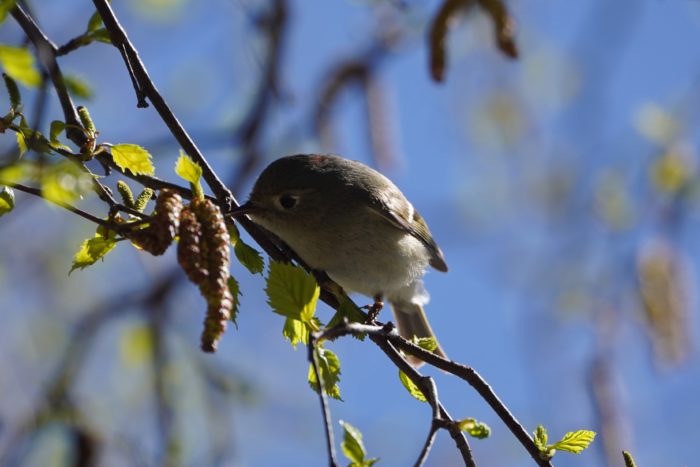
x: 188, y: 169
x: 5, y: 7
x: 101, y: 35
x: 412, y: 388
x: 353, y: 447
x: 7, y: 200
x: 18, y: 62
x: 426, y: 343
x: 78, y: 87
x: 57, y: 127
x: 329, y: 368
x: 95, y: 22
x: 133, y: 158
x: 574, y: 441
x: 540, y: 438
x: 64, y: 183
x: 474, y: 428
x: 21, y: 143
x: 295, y: 331
x: 91, y: 250
x: 235, y: 289
x: 629, y: 460
x: 292, y: 292
x: 249, y: 257
x: 13, y: 92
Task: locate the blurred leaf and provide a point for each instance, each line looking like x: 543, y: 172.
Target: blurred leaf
x: 353, y: 447
x: 21, y: 143
x: 329, y: 368
x: 246, y: 254
x: 412, y: 388
x: 7, y: 200
x: 78, y: 87
x: 671, y: 172
x: 235, y: 290
x: 57, y: 127
x: 5, y: 7
x: 64, y: 183
x: 136, y: 345
x: 656, y: 124
x: 133, y: 158
x: 665, y: 292
x: 474, y: 428
x: 574, y: 441
x: 92, y: 250
x: 18, y: 62
x: 295, y: 331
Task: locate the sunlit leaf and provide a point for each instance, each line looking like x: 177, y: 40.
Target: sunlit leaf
x: 540, y: 438
x: 7, y: 200
x: 296, y: 332
x: 18, y: 62
x: 353, y: 447
x: 474, y: 428
x: 188, y: 169
x: 574, y: 441
x: 292, y: 292
x: 410, y: 387
x: 92, y: 250
x: 5, y: 7
x: 329, y: 368
x: 133, y: 158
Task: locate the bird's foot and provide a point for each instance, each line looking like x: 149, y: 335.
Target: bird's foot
x: 374, y: 309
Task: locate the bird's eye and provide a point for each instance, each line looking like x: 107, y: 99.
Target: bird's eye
x: 288, y: 201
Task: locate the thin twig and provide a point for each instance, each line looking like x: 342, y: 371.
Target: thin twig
x: 325, y: 410
x: 69, y: 207
x: 389, y: 334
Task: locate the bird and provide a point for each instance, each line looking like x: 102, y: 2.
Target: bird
x: 346, y: 219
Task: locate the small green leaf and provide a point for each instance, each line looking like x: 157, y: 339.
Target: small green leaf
x: 249, y: 257
x: 101, y: 35
x: 292, y: 292
x: 57, y: 127
x: 133, y: 158
x: 474, y: 428
x: 329, y: 368
x: 353, y: 447
x: 21, y: 143
x: 78, y: 87
x: 188, y: 169
x: 629, y: 460
x: 540, y: 438
x: 5, y: 7
x: 426, y: 343
x: 91, y: 250
x: 7, y: 200
x: 235, y: 289
x: 574, y: 441
x: 95, y: 22
x: 412, y: 388
x: 18, y: 62
x: 13, y: 92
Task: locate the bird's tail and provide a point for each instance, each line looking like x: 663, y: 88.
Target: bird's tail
x: 411, y: 321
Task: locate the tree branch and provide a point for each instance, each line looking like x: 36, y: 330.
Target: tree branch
x: 327, y: 421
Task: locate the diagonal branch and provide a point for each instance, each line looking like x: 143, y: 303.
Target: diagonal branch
x: 327, y: 421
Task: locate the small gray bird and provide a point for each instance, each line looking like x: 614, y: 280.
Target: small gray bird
x: 344, y: 218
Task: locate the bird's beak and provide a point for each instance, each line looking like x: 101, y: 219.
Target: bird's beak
x: 243, y: 209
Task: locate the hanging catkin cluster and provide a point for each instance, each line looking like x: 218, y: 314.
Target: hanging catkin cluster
x: 160, y: 233
x: 203, y: 252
